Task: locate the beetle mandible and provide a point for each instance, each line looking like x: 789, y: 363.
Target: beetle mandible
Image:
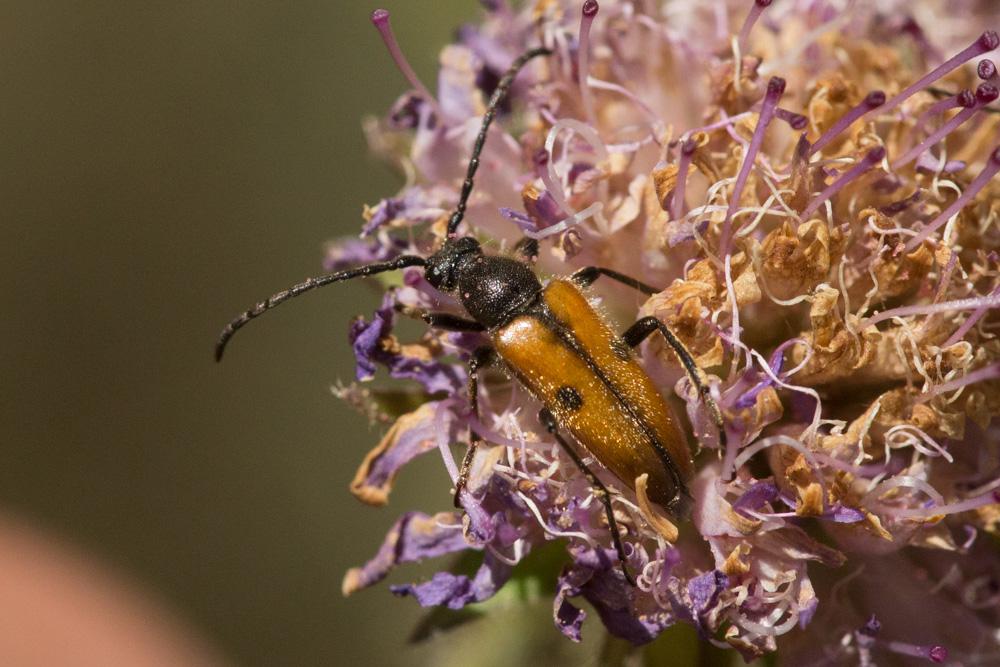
x: 551, y: 340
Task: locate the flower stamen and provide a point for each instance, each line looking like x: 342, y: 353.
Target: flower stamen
x: 677, y: 203
x: 988, y: 172
x: 991, y: 301
x: 775, y: 89
x: 935, y: 653
x: 872, y: 101
x: 872, y: 158
x: 985, y: 94
x: 965, y: 98
x: 985, y: 43
x: 380, y: 18
x: 987, y: 71
x: 587, y: 15
x: 969, y: 323
x: 755, y: 11
x: 991, y: 372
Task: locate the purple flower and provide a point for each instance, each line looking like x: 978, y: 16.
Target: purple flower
x: 413, y: 434
x: 457, y: 590
x: 833, y: 276
x: 415, y: 537
x: 596, y: 576
x: 373, y: 344
x: 413, y: 207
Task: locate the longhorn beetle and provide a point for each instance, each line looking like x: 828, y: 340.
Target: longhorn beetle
x: 553, y: 342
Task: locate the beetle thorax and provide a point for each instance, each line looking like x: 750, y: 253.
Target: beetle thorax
x: 495, y: 289
x: 492, y: 289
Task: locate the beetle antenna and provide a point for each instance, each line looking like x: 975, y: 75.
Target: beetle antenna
x: 306, y: 285
x: 503, y: 87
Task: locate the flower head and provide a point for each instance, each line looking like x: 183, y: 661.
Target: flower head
x: 812, y: 185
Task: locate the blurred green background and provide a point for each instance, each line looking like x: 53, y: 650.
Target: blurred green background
x: 164, y: 165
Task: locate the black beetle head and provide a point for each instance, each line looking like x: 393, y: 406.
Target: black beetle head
x: 443, y: 267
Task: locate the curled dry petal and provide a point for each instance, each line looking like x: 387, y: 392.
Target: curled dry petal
x: 412, y: 435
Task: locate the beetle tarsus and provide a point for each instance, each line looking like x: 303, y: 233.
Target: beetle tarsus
x: 443, y: 321
x: 586, y: 276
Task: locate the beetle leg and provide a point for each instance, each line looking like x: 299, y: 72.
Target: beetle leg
x: 586, y: 276
x: 526, y: 249
x: 481, y: 358
x: 645, y: 327
x: 451, y: 322
x: 552, y: 426
x: 445, y: 321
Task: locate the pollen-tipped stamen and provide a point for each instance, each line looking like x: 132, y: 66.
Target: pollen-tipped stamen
x: 929, y: 309
x: 755, y: 11
x: 677, y: 199
x: 985, y: 43
x: 987, y: 71
x: 934, y: 652
x: 991, y: 372
x: 775, y: 89
x: 796, y: 121
x: 872, y: 158
x: 965, y: 98
x: 988, y: 172
x: 872, y: 101
x: 901, y: 205
x: 800, y: 157
x: 587, y: 14
x: 380, y: 18
x: 970, y: 322
x: 985, y: 94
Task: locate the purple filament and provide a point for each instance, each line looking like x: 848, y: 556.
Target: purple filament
x: 991, y: 372
x: 966, y: 98
x: 775, y: 89
x: 985, y: 43
x: 985, y: 94
x: 873, y: 100
x: 970, y: 322
x: 755, y: 11
x: 988, y: 172
x: 677, y: 201
x: 801, y: 154
x: 872, y: 158
x: 796, y: 121
x: 934, y: 653
x: 380, y: 18
x: 587, y: 14
x: 901, y: 205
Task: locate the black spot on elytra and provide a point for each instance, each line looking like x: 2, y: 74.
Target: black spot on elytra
x: 569, y: 398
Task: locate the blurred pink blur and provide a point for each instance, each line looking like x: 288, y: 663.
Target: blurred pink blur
x: 60, y: 607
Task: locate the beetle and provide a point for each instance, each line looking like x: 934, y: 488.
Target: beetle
x: 552, y: 341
